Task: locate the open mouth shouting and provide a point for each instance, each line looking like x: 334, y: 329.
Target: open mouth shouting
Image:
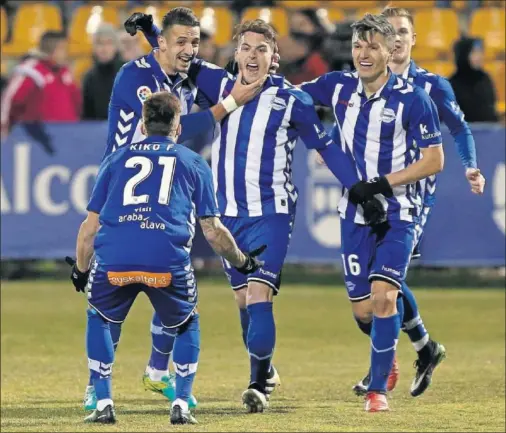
x: 252, y: 67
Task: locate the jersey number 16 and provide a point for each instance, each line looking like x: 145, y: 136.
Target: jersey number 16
x: 169, y: 165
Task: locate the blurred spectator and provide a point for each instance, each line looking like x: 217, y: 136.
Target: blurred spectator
x: 239, y: 5
x: 130, y: 47
x: 98, y: 81
x: 337, y: 47
x: 41, y: 87
x: 208, y: 50
x: 473, y: 87
x: 301, y: 59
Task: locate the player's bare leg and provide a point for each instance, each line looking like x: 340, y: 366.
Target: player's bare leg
x: 384, y: 337
x: 362, y: 311
x: 261, y: 341
x: 273, y: 379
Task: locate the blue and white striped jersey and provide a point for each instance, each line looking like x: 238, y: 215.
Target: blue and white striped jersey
x: 251, y: 158
x: 441, y: 92
x: 134, y: 83
x: 384, y: 133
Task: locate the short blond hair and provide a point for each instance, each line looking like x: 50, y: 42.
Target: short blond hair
x: 391, y: 11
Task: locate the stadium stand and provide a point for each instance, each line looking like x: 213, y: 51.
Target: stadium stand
x: 302, y: 4
x: 219, y: 20
x: 413, y: 4
x: 496, y: 69
x: 437, y: 30
x: 488, y: 24
x: 441, y: 68
x: 84, y: 22
x: 30, y: 22
x: 350, y: 4
x: 276, y: 16
x: 4, y: 25
x: 80, y: 67
x: 334, y: 15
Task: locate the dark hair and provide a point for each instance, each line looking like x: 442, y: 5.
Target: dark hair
x: 375, y: 24
x: 181, y: 16
x: 391, y: 11
x: 159, y: 112
x: 48, y: 41
x: 257, y: 26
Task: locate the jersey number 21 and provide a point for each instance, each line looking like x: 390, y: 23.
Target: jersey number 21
x: 169, y: 165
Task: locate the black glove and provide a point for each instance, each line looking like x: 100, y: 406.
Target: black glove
x: 139, y: 21
x: 374, y: 212
x: 79, y: 279
x: 366, y: 190
x: 252, y: 263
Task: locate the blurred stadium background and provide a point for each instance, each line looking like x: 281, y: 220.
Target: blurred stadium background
x: 48, y: 169
x: 40, y: 196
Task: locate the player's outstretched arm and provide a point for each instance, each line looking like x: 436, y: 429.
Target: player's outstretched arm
x: 85, y: 240
x: 224, y: 245
x: 443, y: 96
x: 222, y: 241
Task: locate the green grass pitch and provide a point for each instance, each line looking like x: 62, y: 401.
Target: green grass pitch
x: 320, y: 354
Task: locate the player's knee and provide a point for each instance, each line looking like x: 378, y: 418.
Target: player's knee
x: 240, y: 297
x: 362, y: 311
x: 258, y: 292
x: 383, y: 298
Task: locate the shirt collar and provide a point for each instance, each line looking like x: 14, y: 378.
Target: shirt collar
x: 160, y: 74
x: 382, y: 92
x: 158, y: 139
x: 410, y: 70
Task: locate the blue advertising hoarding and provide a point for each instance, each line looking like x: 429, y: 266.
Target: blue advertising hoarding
x: 44, y: 196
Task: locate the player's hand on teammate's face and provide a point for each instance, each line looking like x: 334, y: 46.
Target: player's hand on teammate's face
x: 243, y: 93
x: 476, y: 180
x: 275, y: 63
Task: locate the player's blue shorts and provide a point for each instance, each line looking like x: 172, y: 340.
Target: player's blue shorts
x: 111, y: 292
x: 382, y: 252
x: 253, y: 232
x: 419, y: 230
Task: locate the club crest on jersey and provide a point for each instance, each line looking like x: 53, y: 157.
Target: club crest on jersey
x: 143, y: 93
x: 387, y: 115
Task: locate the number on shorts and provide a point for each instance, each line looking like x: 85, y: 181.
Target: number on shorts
x: 351, y: 265
x: 168, y: 163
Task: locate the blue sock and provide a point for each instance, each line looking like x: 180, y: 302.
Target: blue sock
x: 243, y: 312
x: 261, y: 341
x: 162, y: 344
x: 412, y: 322
x: 384, y: 337
x: 115, y: 334
x: 100, y: 349
x: 186, y: 356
